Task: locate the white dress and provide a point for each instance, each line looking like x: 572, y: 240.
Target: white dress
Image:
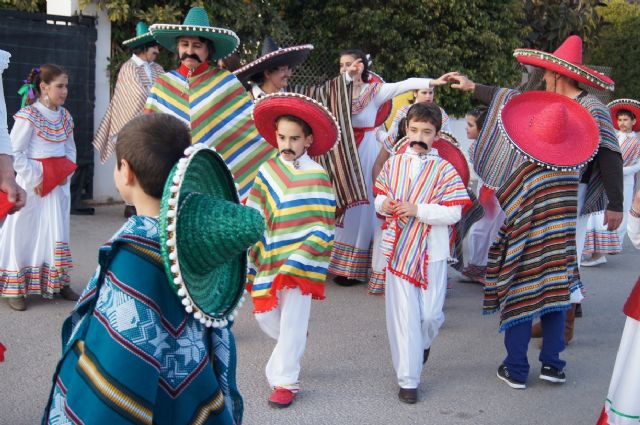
x: 5, y: 143
x: 351, y: 254
x: 34, y: 242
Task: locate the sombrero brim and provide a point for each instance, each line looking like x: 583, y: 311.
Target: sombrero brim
x: 139, y: 40
x: 291, y: 56
x: 325, y: 129
x: 385, y: 109
x: 577, y: 147
x: 630, y: 105
x: 580, y: 73
x: 225, y: 41
x: 450, y: 138
x: 213, y: 296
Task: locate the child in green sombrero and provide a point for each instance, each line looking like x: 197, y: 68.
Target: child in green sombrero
x: 141, y: 344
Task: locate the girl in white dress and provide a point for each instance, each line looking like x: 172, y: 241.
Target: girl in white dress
x: 34, y: 243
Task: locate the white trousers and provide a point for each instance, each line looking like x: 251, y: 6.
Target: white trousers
x: 483, y: 233
x: 288, y: 324
x: 414, y: 316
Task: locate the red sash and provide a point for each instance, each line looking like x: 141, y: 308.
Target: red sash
x: 632, y: 306
x: 54, y: 171
x: 359, y: 133
x: 5, y: 205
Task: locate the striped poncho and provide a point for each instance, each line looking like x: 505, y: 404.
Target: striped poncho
x: 298, y: 206
x: 218, y: 110
x: 532, y: 265
x: 405, y: 239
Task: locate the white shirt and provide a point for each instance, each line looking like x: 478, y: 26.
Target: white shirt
x: 5, y: 142
x: 304, y: 162
x: 147, y: 66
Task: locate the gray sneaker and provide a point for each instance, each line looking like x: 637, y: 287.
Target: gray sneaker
x: 551, y: 374
x: 503, y: 375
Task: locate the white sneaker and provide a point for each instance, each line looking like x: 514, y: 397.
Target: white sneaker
x: 594, y: 262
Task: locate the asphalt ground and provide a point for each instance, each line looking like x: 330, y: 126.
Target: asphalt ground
x: 347, y: 376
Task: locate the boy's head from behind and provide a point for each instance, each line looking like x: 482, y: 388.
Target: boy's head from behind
x: 294, y: 137
x: 626, y: 120
x: 147, y: 149
x: 423, y: 125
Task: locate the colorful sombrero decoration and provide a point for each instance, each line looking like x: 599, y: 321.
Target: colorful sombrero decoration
x: 196, y: 24
x: 323, y: 124
x: 449, y: 138
x: 550, y: 129
x: 567, y: 61
x: 204, y: 235
x: 143, y: 36
x: 630, y: 105
x: 272, y: 56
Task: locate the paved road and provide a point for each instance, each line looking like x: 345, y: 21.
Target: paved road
x: 347, y: 377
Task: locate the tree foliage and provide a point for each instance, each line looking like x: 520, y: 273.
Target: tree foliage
x: 618, y: 47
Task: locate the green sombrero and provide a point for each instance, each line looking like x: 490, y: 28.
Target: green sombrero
x: 196, y: 24
x: 143, y: 36
x: 204, y: 235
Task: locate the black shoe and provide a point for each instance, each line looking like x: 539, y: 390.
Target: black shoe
x: 503, y: 374
x: 551, y: 374
x: 343, y: 281
x: 129, y: 210
x: 425, y: 355
x: 578, y: 310
x: 408, y: 395
x: 83, y: 211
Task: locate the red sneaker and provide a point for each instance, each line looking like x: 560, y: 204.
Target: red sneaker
x: 281, y: 398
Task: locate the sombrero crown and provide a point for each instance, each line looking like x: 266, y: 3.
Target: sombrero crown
x: 143, y: 36
x: 204, y: 234
x: 630, y: 105
x: 323, y: 124
x: 550, y: 129
x: 196, y: 24
x: 273, y: 56
x: 566, y: 60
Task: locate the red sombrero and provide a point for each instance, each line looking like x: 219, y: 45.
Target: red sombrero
x: 550, y: 129
x: 567, y: 61
x: 448, y: 151
x: 630, y: 105
x: 323, y: 124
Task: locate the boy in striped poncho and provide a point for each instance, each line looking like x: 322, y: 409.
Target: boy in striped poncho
x: 288, y: 266
x: 421, y: 195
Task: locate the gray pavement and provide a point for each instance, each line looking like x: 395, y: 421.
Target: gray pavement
x: 347, y: 376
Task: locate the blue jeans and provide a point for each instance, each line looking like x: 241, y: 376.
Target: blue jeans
x: 516, y: 341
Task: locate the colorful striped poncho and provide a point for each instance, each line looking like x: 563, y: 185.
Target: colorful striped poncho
x: 630, y: 149
x: 130, y: 352
x: 298, y: 206
x: 218, y: 109
x: 405, y: 239
x: 532, y: 265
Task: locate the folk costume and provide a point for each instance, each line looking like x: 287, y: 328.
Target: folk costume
x: 148, y: 341
x: 417, y: 249
x: 135, y: 79
x: 288, y: 266
x: 351, y: 255
x: 34, y: 256
x: 210, y: 100
x: 5, y: 141
x: 622, y: 406
x: 532, y: 265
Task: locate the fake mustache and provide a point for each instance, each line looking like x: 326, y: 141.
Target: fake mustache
x: 289, y: 151
x: 190, y: 56
x: 422, y: 144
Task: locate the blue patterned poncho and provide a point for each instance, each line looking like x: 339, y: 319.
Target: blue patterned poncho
x: 131, y: 355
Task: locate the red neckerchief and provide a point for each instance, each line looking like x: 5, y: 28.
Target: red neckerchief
x: 184, y: 71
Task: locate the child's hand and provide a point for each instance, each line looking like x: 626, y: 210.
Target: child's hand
x: 63, y: 182
x: 405, y: 209
x: 387, y: 206
x: 38, y: 189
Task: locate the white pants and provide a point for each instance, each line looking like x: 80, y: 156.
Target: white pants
x: 288, y: 324
x: 582, y: 223
x: 483, y: 233
x: 414, y: 316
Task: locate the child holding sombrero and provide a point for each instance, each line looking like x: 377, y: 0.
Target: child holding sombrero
x: 288, y: 266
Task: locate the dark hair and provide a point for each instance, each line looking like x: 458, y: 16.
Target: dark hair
x: 402, y: 128
x: 231, y: 62
x: 143, y: 48
x: 210, y: 46
x: 625, y: 112
x: 152, y: 144
x: 359, y: 54
x: 43, y: 74
x: 306, y: 128
x: 412, y: 100
x: 259, y: 77
x: 425, y: 112
x: 480, y: 114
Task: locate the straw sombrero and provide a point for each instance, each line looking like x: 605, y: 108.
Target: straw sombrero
x: 196, y: 24
x: 323, y: 124
x: 567, y: 61
x: 204, y: 235
x: 630, y: 105
x: 550, y: 129
x: 143, y: 36
x: 272, y: 57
